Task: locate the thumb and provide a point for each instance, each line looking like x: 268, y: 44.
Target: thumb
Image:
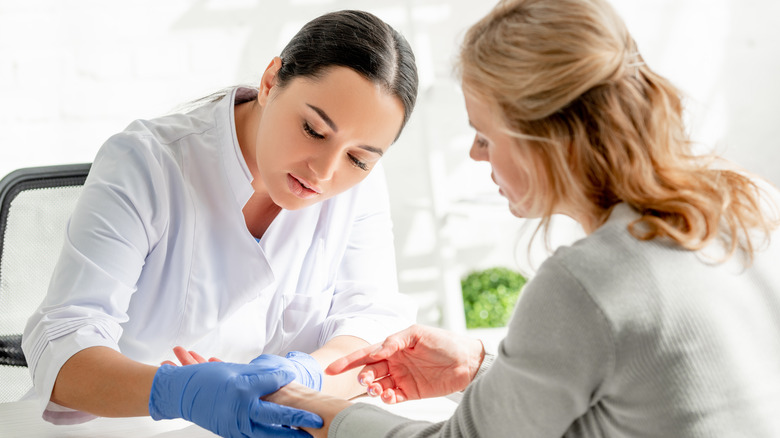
x: 391, y: 345
x: 265, y: 382
x: 264, y: 412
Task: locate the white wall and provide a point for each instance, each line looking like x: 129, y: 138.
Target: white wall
x: 74, y: 72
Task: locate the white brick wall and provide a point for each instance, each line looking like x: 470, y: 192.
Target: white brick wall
x: 74, y: 72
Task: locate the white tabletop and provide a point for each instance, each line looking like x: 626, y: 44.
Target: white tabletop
x: 21, y: 419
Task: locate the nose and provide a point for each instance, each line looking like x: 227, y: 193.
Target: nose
x: 324, y: 164
x: 478, y: 152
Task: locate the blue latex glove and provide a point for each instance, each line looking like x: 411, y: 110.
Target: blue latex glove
x: 308, y: 370
x: 225, y: 397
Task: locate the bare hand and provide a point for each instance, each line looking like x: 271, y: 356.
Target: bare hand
x: 418, y: 362
x: 188, y: 357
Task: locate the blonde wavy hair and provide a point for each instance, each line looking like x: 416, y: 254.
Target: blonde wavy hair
x: 601, y: 128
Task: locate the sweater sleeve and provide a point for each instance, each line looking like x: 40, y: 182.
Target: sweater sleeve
x: 548, y: 372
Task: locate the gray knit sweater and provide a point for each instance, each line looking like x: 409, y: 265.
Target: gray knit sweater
x: 620, y: 338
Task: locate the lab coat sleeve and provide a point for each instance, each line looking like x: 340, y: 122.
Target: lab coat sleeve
x: 366, y: 302
x: 107, y: 239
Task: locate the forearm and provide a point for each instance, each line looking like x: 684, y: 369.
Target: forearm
x: 344, y: 385
x: 103, y: 382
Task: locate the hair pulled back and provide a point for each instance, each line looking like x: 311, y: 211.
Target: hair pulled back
x: 357, y: 40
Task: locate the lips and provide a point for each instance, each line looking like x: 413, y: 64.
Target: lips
x: 500, y: 192
x: 301, y: 188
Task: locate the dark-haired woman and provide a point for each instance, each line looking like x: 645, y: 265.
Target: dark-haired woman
x: 255, y: 223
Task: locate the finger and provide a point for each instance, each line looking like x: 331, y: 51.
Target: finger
x: 400, y: 395
x: 394, y: 395
x: 391, y: 345
x: 380, y: 386
x: 352, y: 360
x: 374, y: 389
x: 388, y: 396
x: 214, y: 359
x: 266, y: 382
x: 184, y: 356
x: 367, y: 355
x: 365, y: 378
x: 197, y: 357
x: 270, y: 413
x: 374, y: 353
x: 373, y: 371
x: 168, y: 362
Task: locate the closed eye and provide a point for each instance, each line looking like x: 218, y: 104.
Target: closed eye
x: 311, y: 132
x: 359, y: 164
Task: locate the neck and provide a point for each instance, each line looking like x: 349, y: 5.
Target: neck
x: 247, y: 117
x: 260, y: 210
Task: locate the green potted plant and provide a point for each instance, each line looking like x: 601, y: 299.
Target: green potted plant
x: 489, y: 296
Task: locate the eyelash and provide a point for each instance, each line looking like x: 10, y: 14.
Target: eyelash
x: 311, y: 132
x: 359, y: 164
x: 316, y: 135
x: 481, y: 142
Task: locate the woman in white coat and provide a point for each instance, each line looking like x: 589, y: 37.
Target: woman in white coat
x: 255, y: 223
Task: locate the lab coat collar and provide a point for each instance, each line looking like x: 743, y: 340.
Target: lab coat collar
x: 236, y: 170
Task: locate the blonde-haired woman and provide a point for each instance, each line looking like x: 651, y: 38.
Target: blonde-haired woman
x: 664, y: 321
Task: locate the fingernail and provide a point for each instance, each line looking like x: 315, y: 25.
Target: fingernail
x: 372, y: 391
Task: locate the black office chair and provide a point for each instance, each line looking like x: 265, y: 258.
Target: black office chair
x: 35, y: 204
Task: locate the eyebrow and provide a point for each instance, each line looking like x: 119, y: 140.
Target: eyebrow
x: 373, y: 149
x: 326, y: 118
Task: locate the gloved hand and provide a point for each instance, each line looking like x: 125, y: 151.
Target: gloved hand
x: 225, y: 397
x: 308, y: 370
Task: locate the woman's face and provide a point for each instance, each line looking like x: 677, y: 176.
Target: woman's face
x: 493, y: 145
x: 319, y: 137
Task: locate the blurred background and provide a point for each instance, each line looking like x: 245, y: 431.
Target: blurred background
x: 74, y: 72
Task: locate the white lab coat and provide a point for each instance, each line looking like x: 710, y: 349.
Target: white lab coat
x: 157, y: 254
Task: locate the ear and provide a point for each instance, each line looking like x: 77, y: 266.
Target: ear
x: 268, y: 81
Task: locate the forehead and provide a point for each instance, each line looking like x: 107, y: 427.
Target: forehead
x: 482, y: 114
x: 354, y: 103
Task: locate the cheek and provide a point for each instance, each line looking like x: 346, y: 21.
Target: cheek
x: 276, y: 142
x: 349, y: 177
x: 512, y: 177
x: 504, y: 169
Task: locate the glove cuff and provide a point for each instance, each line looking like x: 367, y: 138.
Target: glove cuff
x: 308, y: 370
x: 166, y: 395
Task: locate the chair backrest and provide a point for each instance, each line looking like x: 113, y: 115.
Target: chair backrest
x: 35, y: 204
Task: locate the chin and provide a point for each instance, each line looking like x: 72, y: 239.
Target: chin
x: 295, y: 204
x: 288, y: 201
x: 517, y: 213
x: 522, y: 212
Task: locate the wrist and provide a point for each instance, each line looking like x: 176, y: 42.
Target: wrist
x: 165, y: 387
x: 477, y: 358
x: 302, y: 397
x: 484, y: 366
